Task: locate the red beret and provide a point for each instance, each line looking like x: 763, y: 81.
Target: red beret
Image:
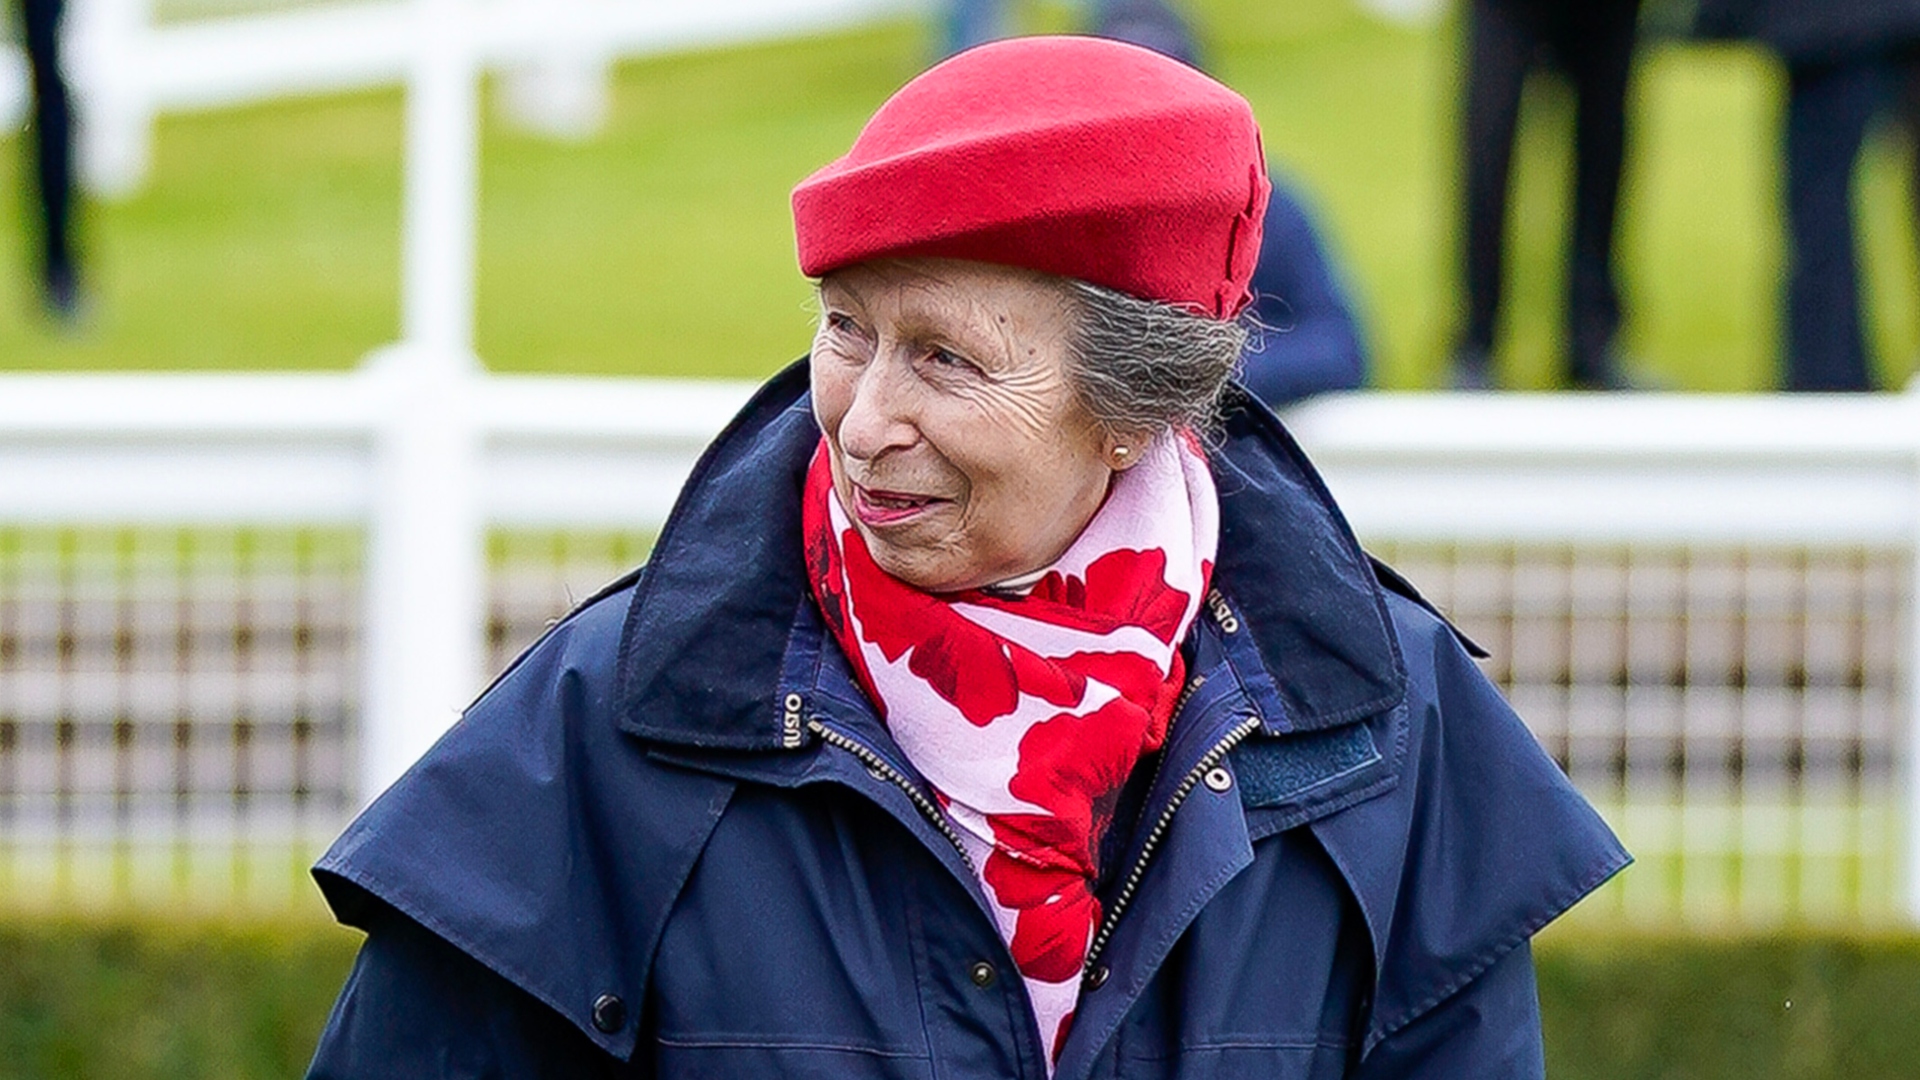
x: 1075, y: 156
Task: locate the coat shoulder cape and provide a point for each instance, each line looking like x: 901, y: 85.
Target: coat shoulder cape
x: 546, y: 836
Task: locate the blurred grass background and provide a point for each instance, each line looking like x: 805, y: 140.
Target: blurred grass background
x: 185, y: 1000
x: 268, y: 236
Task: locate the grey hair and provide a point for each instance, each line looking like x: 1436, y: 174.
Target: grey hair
x: 1148, y: 367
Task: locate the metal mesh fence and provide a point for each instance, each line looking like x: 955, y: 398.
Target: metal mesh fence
x: 1737, y: 713
x: 177, y: 706
x: 538, y: 576
x: 175, y: 710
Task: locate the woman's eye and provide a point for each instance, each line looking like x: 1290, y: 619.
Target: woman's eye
x: 941, y: 358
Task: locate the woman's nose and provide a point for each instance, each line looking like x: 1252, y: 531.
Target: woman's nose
x: 878, y: 415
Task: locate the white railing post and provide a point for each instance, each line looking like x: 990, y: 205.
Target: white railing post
x: 426, y: 566
x: 441, y: 184
x: 106, y: 65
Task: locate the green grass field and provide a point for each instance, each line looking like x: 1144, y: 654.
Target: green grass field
x: 267, y: 237
x: 1703, y: 865
x: 184, y: 998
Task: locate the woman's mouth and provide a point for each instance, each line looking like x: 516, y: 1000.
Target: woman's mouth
x: 877, y: 507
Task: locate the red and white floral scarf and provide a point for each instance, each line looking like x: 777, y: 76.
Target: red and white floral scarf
x: 1027, y: 710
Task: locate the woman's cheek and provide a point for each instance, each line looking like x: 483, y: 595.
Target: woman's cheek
x: 830, y: 396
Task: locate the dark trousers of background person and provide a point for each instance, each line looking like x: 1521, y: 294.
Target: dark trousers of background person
x: 1592, y: 42
x: 1829, y: 109
x: 52, y: 195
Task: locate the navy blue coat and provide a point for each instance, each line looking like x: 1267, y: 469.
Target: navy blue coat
x: 674, y: 839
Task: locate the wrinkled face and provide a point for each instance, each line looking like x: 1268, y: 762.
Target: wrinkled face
x: 957, y: 443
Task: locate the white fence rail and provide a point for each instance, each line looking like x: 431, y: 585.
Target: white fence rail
x: 301, y: 449
x: 128, y: 67
x: 1680, y: 468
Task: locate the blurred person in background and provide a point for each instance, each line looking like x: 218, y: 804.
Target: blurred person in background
x: 974, y: 22
x: 1307, y: 341
x: 1846, y: 61
x: 1592, y: 42
x: 53, y: 188
x: 1909, y: 78
x: 1152, y: 23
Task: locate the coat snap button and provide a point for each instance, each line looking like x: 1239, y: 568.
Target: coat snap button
x: 1097, y: 976
x: 982, y: 974
x: 609, y: 1014
x: 1218, y: 778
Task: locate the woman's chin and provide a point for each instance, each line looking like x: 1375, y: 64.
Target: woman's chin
x: 932, y: 571
x: 927, y: 575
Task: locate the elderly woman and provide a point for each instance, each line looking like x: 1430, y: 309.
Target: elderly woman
x: 1004, y: 697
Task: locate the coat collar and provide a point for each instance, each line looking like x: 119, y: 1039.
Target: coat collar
x: 700, y: 658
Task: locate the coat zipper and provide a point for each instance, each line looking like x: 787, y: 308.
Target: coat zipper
x: 1180, y: 703
x: 1207, y: 762
x: 878, y: 766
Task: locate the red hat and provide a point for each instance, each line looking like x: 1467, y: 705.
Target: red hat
x: 1075, y: 156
